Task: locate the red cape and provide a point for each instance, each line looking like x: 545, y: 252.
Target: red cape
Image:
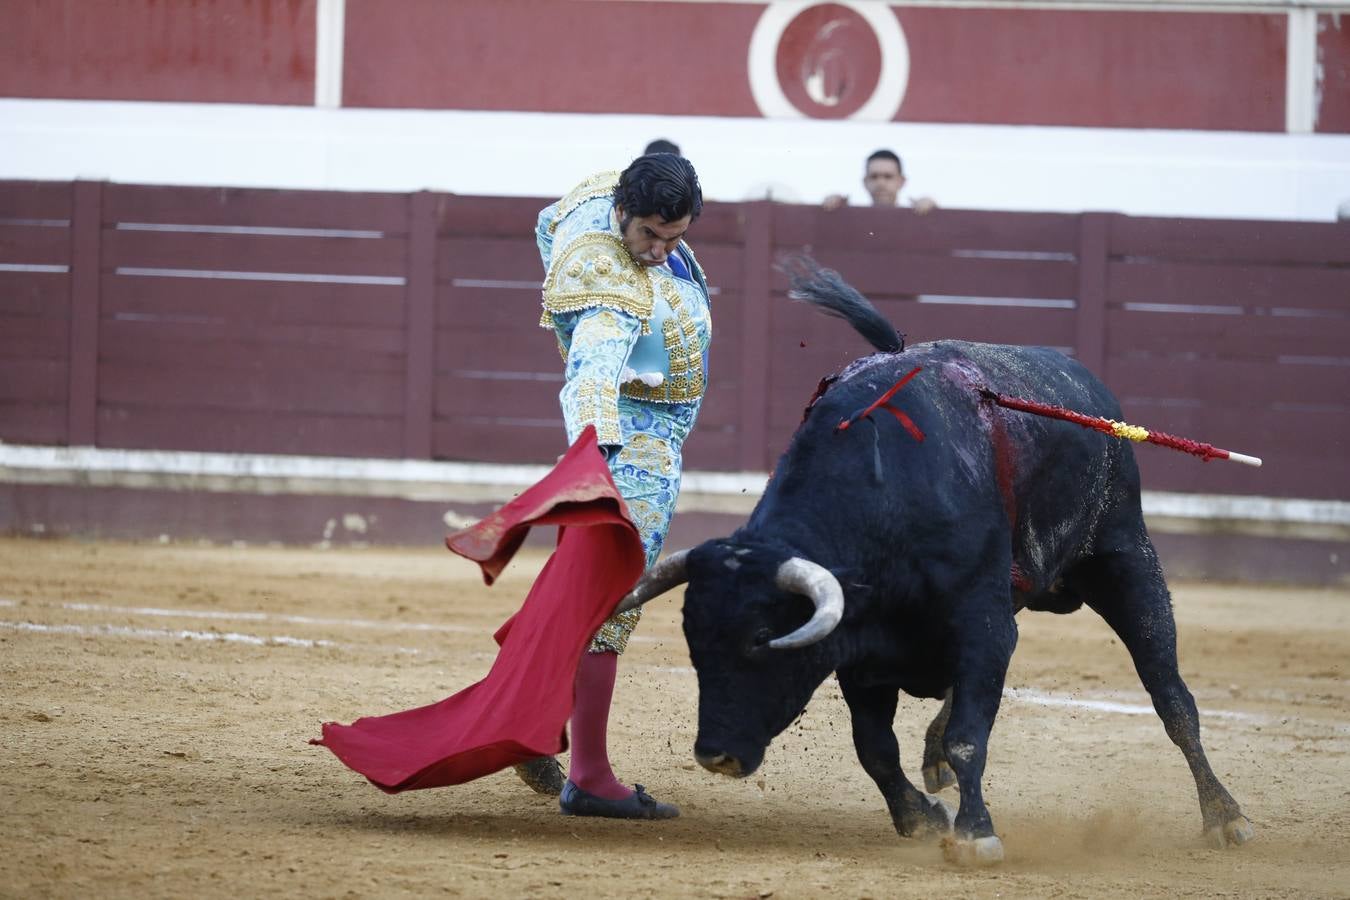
x: 520, y: 710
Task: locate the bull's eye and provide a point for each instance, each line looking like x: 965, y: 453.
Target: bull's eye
x: 759, y: 642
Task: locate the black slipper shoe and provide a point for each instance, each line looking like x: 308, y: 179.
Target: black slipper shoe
x: 641, y: 805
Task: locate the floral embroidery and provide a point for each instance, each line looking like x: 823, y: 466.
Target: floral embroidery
x: 647, y: 473
x: 601, y: 340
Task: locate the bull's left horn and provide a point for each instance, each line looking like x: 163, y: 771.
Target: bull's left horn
x: 801, y: 576
x: 666, y: 574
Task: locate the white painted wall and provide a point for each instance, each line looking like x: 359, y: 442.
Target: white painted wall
x: 1185, y: 173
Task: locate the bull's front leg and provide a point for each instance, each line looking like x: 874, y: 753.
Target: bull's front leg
x: 872, y: 709
x: 985, y: 635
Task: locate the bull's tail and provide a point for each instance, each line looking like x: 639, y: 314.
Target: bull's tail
x: 826, y: 290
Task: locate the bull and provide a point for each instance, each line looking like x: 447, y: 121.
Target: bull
x: 894, y: 545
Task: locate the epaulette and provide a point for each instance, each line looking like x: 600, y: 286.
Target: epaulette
x: 596, y: 269
x: 600, y: 184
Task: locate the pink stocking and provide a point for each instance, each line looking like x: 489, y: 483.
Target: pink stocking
x: 594, y: 688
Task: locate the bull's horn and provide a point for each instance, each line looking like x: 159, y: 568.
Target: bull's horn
x: 804, y: 577
x: 666, y: 574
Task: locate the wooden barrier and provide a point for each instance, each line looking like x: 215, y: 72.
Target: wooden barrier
x: 403, y: 325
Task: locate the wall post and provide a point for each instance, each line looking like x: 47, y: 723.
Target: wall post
x: 1090, y: 319
x: 757, y: 221
x: 419, y: 324
x: 86, y: 233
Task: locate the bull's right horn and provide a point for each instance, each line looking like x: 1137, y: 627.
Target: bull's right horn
x: 801, y: 576
x: 666, y: 574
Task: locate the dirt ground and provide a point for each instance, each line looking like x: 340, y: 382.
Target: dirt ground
x: 158, y: 700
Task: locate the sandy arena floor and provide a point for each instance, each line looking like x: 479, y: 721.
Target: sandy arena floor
x: 158, y: 699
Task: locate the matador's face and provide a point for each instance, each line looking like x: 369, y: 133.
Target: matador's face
x: 651, y: 239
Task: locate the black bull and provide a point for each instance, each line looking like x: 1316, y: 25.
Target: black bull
x: 900, y: 563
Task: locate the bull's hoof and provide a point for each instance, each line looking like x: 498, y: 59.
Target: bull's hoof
x: 1232, y: 834
x: 968, y: 853
x: 937, y: 777
x: 721, y: 764
x: 932, y: 819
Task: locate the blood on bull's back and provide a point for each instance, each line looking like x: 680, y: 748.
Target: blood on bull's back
x: 938, y: 458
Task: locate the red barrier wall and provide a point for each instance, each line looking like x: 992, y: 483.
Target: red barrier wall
x: 395, y: 325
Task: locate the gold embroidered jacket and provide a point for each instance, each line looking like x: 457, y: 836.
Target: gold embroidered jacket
x: 624, y: 329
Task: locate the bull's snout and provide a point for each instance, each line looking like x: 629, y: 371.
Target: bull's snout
x: 721, y: 763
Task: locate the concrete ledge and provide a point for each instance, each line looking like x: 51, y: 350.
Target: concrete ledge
x: 336, y: 476
x: 731, y: 493
x: 255, y: 498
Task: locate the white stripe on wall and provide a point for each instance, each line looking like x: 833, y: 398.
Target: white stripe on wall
x: 1153, y: 172
x: 329, y: 49
x: 1300, y: 80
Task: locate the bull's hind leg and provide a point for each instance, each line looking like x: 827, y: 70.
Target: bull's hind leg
x: 872, y: 709
x: 1129, y: 592
x: 937, y: 772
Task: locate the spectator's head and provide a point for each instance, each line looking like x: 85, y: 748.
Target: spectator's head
x: 657, y: 198
x: 1343, y: 211
x: 883, y: 178
x: 661, y: 145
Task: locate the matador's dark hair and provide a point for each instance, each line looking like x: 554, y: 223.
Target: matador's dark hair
x: 660, y: 184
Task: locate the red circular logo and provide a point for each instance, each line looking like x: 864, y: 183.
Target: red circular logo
x: 829, y: 61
